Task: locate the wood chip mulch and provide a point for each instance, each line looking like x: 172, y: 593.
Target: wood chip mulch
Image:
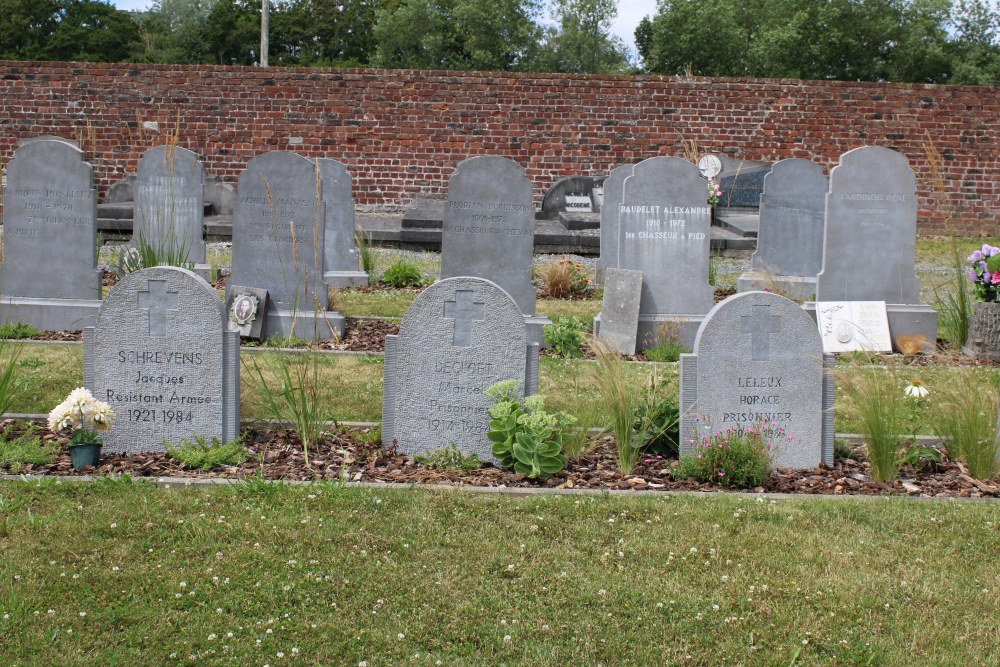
x: 351, y: 454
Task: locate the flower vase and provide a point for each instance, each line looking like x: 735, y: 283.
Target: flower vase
x: 85, y: 455
x: 984, y: 331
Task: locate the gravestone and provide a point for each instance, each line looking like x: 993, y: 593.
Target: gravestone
x: 161, y: 356
x: 49, y: 277
x: 869, y: 251
x: 758, y: 362
x: 789, y: 251
x: 663, y: 231
x: 854, y: 326
x: 169, y: 209
x: 341, y: 258
x: 613, y: 185
x: 458, y: 337
x: 489, y: 230
x: 279, y: 244
x: 620, y: 309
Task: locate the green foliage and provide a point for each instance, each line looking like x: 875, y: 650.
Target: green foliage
x: 165, y: 252
x: 277, y: 341
x: 403, y: 274
x: 920, y: 456
x: 565, y: 337
x: 74, y: 30
x: 878, y: 405
x: 659, y: 425
x: 11, y: 380
x: 841, y: 450
x: 954, y: 307
x: 670, y: 351
x: 866, y: 40
x: 365, y: 255
x: 21, y: 444
x: 197, y: 453
x: 17, y: 330
x: 582, y: 41
x: 966, y: 422
x: 526, y: 438
x: 733, y: 459
x: 449, y: 458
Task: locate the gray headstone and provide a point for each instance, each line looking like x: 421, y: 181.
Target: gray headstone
x: 613, y: 185
x: 871, y: 230
x: 555, y: 199
x: 457, y: 338
x: 49, y: 213
x: 47, y: 137
x: 790, y: 237
x: 278, y: 231
x: 663, y: 231
x: 758, y: 362
x: 170, y: 201
x: 620, y: 309
x: 161, y: 356
x: 341, y: 258
x: 489, y: 227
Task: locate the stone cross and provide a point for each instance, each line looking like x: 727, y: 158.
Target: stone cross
x: 464, y: 311
x: 158, y: 302
x: 761, y: 325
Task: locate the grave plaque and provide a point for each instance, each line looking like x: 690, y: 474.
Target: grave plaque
x: 620, y: 309
x: 870, y: 241
x: 489, y: 227
x: 458, y: 337
x: 161, y: 356
x: 170, y: 202
x: 758, y: 363
x: 853, y: 326
x: 50, y: 277
x: 342, y: 260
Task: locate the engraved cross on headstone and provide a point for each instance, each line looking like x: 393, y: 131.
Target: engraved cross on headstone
x: 464, y: 311
x: 760, y: 326
x: 158, y: 302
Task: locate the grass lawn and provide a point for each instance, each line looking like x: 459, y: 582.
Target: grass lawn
x: 119, y: 573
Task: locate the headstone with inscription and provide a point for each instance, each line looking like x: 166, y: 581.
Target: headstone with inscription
x: 790, y: 237
x: 663, y: 231
x: 279, y: 244
x: 613, y: 185
x: 758, y: 363
x: 342, y: 260
x: 161, y: 356
x: 49, y: 277
x: 869, y: 251
x: 170, y: 204
x: 458, y: 337
x: 489, y: 230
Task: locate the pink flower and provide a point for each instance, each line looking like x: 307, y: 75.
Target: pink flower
x: 996, y: 277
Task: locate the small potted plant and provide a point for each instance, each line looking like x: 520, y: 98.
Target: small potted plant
x: 713, y: 194
x: 87, y: 417
x: 984, y: 325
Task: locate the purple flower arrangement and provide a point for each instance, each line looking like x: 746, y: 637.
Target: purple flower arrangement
x: 984, y: 272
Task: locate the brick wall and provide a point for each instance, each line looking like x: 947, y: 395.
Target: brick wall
x: 401, y: 133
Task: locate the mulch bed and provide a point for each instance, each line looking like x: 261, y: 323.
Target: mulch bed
x: 276, y: 454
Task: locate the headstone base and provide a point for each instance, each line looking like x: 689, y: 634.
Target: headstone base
x: 50, y: 314
x: 796, y: 288
x: 307, y: 325
x: 904, y: 320
x: 661, y: 328
x: 342, y: 279
x: 203, y: 271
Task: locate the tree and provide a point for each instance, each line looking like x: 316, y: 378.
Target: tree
x: 458, y: 34
x: 320, y: 32
x: 85, y: 30
x: 976, y: 48
x: 173, y: 31
x: 583, y: 41
x: 232, y: 32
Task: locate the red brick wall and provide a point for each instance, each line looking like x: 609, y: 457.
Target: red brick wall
x: 401, y: 133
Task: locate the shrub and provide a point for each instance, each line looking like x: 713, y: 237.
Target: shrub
x: 659, y: 424
x: 526, y: 438
x: 197, y: 453
x: 735, y: 459
x: 449, y: 458
x: 17, y: 330
x: 565, y: 337
x: 667, y: 352
x: 403, y: 274
x: 564, y: 278
x: 17, y: 449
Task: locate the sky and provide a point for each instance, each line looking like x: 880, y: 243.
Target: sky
x: 630, y: 12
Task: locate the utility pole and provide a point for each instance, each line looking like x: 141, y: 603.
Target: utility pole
x: 264, y: 29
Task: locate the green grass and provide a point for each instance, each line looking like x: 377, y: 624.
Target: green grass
x: 123, y: 573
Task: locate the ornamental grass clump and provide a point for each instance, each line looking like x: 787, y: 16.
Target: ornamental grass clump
x: 879, y: 407
x: 564, y: 278
x: 738, y: 459
x: 966, y: 423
